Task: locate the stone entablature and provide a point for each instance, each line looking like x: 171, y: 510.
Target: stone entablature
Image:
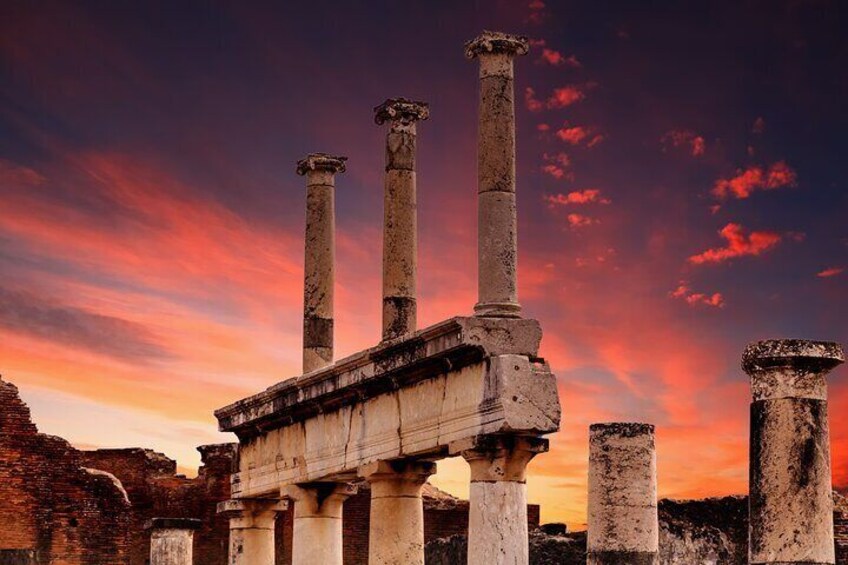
x: 409, y: 397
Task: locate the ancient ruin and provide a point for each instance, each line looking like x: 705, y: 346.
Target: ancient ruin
x: 332, y: 465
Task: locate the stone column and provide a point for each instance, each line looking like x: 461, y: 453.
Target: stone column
x: 396, y: 532
x: 400, y: 238
x: 317, y: 535
x: 623, y: 526
x: 171, y: 540
x: 252, y: 529
x: 497, y: 513
x: 497, y: 243
x: 319, y: 257
x: 791, y: 502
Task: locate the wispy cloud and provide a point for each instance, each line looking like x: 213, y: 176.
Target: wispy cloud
x: 747, y: 181
x: 739, y: 244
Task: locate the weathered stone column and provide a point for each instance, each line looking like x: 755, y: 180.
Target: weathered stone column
x: 497, y: 514
x: 317, y: 536
x: 171, y: 540
x: 252, y: 529
x: 396, y: 532
x: 319, y: 257
x: 400, y: 223
x: 791, y: 502
x: 622, y: 525
x: 497, y: 242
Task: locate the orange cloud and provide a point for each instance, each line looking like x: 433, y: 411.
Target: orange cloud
x: 695, y: 144
x: 683, y: 292
x: 738, y: 245
x: 755, y: 178
x: 830, y: 272
x: 586, y: 196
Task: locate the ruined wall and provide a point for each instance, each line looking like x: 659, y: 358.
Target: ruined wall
x: 50, y: 502
x: 840, y: 527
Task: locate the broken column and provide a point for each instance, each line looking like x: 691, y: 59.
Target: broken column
x: 497, y: 243
x: 252, y: 529
x: 317, y: 532
x: 400, y: 239
x: 171, y: 540
x: 791, y: 501
x: 622, y: 522
x: 396, y: 533
x: 497, y: 512
x: 319, y: 258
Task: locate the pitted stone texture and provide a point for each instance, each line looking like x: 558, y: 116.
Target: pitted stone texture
x: 172, y: 546
x: 397, y: 513
x: 622, y: 493
x: 402, y: 110
x: 252, y: 529
x: 497, y: 249
x: 497, y: 523
x: 496, y: 42
x: 499, y: 458
x: 400, y: 253
x: 321, y: 162
x: 317, y: 534
x: 790, y: 368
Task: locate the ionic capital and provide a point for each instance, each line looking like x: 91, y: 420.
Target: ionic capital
x: 321, y: 162
x: 401, y: 110
x: 499, y: 458
x: 496, y: 42
x: 319, y: 500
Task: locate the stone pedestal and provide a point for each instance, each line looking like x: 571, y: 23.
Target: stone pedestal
x: 317, y: 535
x: 319, y: 257
x: 252, y: 529
x: 791, y: 501
x: 400, y: 238
x: 396, y: 532
x: 171, y: 540
x: 622, y: 521
x: 497, y: 243
x: 497, y: 514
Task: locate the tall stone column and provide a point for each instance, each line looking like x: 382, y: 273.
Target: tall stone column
x: 317, y: 535
x: 497, y: 241
x: 623, y: 526
x: 497, y: 514
x: 396, y: 532
x: 400, y: 223
x: 319, y: 257
x: 252, y: 529
x: 791, y: 499
x: 171, y: 540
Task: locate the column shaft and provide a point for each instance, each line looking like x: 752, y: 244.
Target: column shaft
x: 319, y: 258
x: 317, y: 533
x: 171, y: 547
x: 497, y: 243
x: 623, y: 525
x: 790, y: 503
x: 497, y: 514
x: 396, y: 532
x: 400, y: 225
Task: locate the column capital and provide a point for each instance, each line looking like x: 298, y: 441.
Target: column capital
x: 241, y: 507
x: 499, y: 458
x: 798, y: 354
x: 172, y: 524
x: 401, y: 110
x: 318, y: 499
x: 400, y: 470
x: 321, y: 162
x: 497, y: 42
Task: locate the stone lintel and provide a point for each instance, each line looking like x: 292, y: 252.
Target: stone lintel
x: 406, y: 469
x: 172, y: 524
x: 797, y: 354
x: 448, y: 345
x: 321, y: 162
x: 497, y: 42
x: 237, y: 507
x: 401, y: 110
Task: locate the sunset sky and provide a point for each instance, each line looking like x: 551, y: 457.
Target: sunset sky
x: 682, y: 179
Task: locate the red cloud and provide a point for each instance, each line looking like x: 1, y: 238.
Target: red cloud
x: 683, y: 292
x: 537, y: 13
x: 830, y: 272
x: 565, y: 96
x: 587, y: 196
x: 556, y: 59
x: 533, y: 103
x: 696, y: 144
x: 580, y: 221
x: 543, y: 127
x: 578, y: 134
x: 738, y: 245
x: 559, y: 165
x: 755, y: 178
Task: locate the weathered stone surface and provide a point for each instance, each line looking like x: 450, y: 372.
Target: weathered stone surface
x: 791, y: 505
x: 622, y: 521
x: 252, y: 530
x: 317, y: 534
x: 712, y: 531
x: 171, y: 540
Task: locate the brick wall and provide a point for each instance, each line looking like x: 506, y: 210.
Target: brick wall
x: 50, y: 503
x: 840, y: 528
